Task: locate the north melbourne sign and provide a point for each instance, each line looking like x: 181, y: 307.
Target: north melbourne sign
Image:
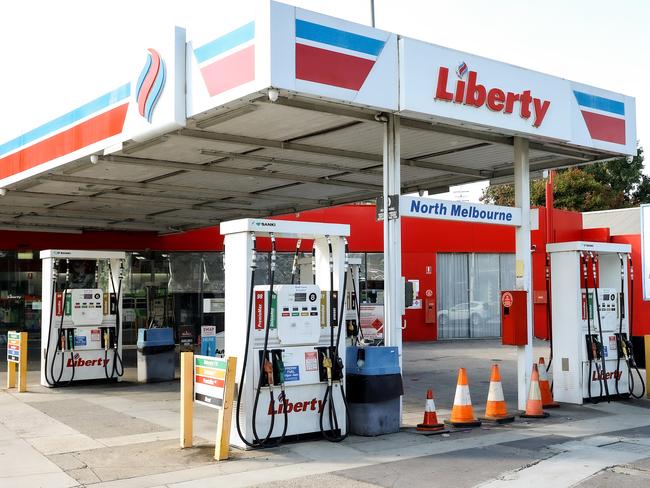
x: 430, y: 208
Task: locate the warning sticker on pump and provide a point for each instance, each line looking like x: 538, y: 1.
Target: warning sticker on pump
x: 291, y: 373
x: 612, y: 343
x: 311, y: 361
x: 80, y: 340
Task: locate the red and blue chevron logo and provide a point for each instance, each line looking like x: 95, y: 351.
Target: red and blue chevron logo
x: 604, y: 117
x: 334, y: 57
x: 229, y: 60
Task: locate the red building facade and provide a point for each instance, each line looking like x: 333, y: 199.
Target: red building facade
x: 422, y: 241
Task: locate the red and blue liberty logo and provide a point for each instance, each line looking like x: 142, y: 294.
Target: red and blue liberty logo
x: 150, y: 84
x: 604, y: 117
x: 462, y: 70
x: 334, y: 57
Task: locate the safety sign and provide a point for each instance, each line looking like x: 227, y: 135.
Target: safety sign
x: 13, y: 347
x: 311, y: 361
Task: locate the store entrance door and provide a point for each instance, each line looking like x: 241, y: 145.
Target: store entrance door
x: 468, y: 286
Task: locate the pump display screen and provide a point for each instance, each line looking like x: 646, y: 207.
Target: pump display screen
x: 300, y: 297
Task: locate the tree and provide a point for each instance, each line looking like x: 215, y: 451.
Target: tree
x: 601, y: 186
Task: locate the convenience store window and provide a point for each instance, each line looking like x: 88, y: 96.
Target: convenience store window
x: 20, y: 292
x: 160, y: 288
x: 468, y: 292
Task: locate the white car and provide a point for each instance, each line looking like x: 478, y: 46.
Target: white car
x: 475, y: 312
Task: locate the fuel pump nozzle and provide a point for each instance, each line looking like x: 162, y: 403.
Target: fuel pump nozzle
x: 281, y: 371
x: 327, y: 364
x: 268, y: 372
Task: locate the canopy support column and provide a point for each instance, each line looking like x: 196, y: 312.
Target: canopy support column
x: 393, y: 300
x: 523, y: 263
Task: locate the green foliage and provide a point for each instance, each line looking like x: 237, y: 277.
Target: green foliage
x: 601, y: 186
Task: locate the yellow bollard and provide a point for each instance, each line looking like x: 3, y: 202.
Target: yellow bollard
x: 11, y: 374
x: 17, y: 359
x: 187, y: 398
x: 646, y: 340
x: 222, y: 445
x: 22, y: 365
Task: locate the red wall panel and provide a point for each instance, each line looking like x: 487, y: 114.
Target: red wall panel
x: 641, y: 318
x: 414, y: 267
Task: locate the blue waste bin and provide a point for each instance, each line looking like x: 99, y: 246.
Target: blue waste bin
x: 373, y: 387
x: 156, y: 355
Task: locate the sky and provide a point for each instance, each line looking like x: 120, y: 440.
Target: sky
x: 54, y: 54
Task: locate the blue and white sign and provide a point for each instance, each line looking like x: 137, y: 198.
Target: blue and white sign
x: 291, y: 373
x: 430, y: 208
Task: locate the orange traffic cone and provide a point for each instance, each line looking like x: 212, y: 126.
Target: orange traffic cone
x: 545, y: 387
x: 430, y: 422
x: 495, y: 408
x: 534, y: 408
x: 462, y: 413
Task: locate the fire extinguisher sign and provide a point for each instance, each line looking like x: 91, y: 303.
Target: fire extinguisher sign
x: 506, y: 299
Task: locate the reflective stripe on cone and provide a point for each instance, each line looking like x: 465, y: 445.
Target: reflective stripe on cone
x: 495, y: 407
x: 462, y: 413
x: 534, y: 408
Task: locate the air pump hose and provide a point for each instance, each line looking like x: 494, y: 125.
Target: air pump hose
x: 267, y: 367
x: 592, y: 350
x: 594, y: 264
x: 331, y: 434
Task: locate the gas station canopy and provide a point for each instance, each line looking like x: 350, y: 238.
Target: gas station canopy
x: 284, y: 112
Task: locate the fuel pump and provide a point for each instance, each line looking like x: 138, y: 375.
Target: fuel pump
x: 286, y: 334
x: 588, y: 305
x: 81, y: 322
